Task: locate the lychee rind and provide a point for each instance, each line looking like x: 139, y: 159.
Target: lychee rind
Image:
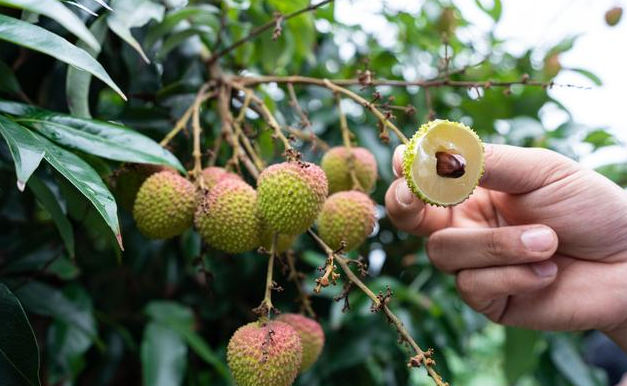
x: 214, y: 174
x: 291, y: 195
x: 227, y: 217
x: 346, y: 216
x: 335, y: 164
x: 311, y: 337
x: 127, y: 180
x: 264, y: 354
x: 475, y: 158
x: 165, y: 205
x: 284, y: 242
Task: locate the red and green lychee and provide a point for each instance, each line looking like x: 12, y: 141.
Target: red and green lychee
x: 311, y: 337
x: 348, y: 217
x: 335, y: 164
x: 165, y: 205
x: 265, y: 354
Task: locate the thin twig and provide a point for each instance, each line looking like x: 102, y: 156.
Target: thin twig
x: 182, y: 122
x: 309, y: 137
x: 304, y: 119
x: 263, y: 28
x: 421, y: 357
x: 197, y: 129
x: 266, y: 308
x: 294, y: 276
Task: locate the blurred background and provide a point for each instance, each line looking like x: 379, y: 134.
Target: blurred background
x: 161, y: 312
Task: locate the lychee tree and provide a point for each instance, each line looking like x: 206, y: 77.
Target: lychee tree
x: 208, y: 210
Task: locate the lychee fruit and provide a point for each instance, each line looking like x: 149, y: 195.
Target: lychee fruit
x: 311, y: 337
x: 291, y: 195
x: 227, y: 217
x: 215, y: 174
x: 346, y: 216
x: 127, y: 180
x: 165, y: 205
x: 284, y: 242
x: 265, y: 354
x: 613, y: 16
x: 443, y: 162
x: 335, y: 164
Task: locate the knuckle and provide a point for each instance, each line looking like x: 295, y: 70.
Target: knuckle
x: 494, y: 244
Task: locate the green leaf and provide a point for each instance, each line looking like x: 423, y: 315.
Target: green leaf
x: 600, y: 138
x: 42, y: 40
x: 77, y: 82
x: 175, y: 39
x: 19, y: 353
x: 86, y: 180
x: 25, y: 149
x: 519, y: 352
x: 130, y: 14
x: 47, y: 199
x: 58, y: 12
x: 494, y: 12
x: 42, y: 299
x: 99, y: 138
x: 8, y: 81
x: 568, y: 361
x: 595, y: 79
x: 202, y: 14
x: 163, y: 356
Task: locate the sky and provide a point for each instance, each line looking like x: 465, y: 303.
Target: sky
x: 540, y: 24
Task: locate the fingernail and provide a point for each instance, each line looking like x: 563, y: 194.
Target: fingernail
x: 545, y: 268
x: 403, y: 195
x: 538, y: 239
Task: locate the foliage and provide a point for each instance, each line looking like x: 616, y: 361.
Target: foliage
x: 163, y: 312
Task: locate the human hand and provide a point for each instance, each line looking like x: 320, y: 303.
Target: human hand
x: 541, y: 244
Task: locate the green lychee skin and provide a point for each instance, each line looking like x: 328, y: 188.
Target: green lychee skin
x: 311, y: 337
x: 284, y: 242
x: 264, y: 354
x: 127, y: 180
x: 335, y: 164
x: 227, y: 217
x: 291, y: 195
x: 165, y: 205
x: 215, y: 174
x: 346, y: 216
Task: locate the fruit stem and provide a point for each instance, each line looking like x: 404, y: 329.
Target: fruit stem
x: 450, y: 165
x: 197, y: 129
x: 347, y: 143
x: 182, y: 122
x: 421, y: 357
x: 295, y: 276
x: 265, y: 308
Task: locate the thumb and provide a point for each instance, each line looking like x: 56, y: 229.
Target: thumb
x: 515, y: 170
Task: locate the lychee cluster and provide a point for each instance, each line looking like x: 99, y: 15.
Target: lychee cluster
x: 233, y: 217
x: 274, y: 352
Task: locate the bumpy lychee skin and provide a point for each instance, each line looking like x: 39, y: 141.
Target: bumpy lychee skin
x: 291, y: 195
x: 311, y: 337
x: 346, y: 216
x: 336, y: 166
x: 227, y: 217
x: 215, y: 174
x: 264, y: 354
x: 165, y: 205
x: 443, y: 162
x: 127, y: 180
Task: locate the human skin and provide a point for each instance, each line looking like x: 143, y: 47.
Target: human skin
x: 541, y: 244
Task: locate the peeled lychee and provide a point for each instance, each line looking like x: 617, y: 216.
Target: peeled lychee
x: 265, y: 354
x: 165, y: 205
x: 215, y: 174
x: 291, y: 195
x: 335, y: 164
x: 127, y: 180
x: 311, y: 337
x: 346, y: 216
x: 227, y: 217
